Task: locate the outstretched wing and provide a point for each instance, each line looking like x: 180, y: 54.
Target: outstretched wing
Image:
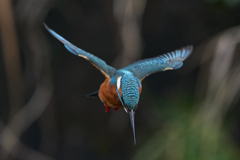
x: 107, y: 70
x: 168, y: 61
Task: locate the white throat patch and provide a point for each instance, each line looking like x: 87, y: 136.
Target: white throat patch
x: 119, y: 82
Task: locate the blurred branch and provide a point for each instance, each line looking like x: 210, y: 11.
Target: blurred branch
x: 27, y: 115
x: 37, y: 62
x: 128, y: 14
x: 222, y: 88
x: 11, y: 57
x: 26, y: 153
x: 222, y: 70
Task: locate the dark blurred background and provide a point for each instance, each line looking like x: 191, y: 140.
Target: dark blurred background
x: 187, y: 114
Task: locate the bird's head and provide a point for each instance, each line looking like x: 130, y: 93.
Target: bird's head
x: 128, y: 88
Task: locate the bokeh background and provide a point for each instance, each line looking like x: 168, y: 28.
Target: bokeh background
x: 187, y: 114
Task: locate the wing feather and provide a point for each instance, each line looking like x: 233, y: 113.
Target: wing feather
x: 169, y: 61
x: 107, y: 70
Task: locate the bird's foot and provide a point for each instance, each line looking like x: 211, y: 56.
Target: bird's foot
x: 107, y: 108
x: 115, y: 109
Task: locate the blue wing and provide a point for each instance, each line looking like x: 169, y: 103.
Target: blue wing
x: 107, y: 70
x: 168, y: 61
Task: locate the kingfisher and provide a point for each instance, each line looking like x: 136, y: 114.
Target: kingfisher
x: 122, y: 88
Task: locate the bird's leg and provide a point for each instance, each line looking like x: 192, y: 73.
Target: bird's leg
x: 107, y: 108
x: 116, y: 109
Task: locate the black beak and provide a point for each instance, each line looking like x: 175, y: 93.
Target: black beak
x: 132, y: 113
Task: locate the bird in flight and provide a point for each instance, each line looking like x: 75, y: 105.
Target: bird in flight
x: 122, y: 88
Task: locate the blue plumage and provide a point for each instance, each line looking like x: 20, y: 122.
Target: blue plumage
x: 107, y: 70
x: 125, y: 83
x: 130, y: 90
x: 168, y: 61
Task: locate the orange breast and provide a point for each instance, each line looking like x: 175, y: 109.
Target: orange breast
x: 109, y: 95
